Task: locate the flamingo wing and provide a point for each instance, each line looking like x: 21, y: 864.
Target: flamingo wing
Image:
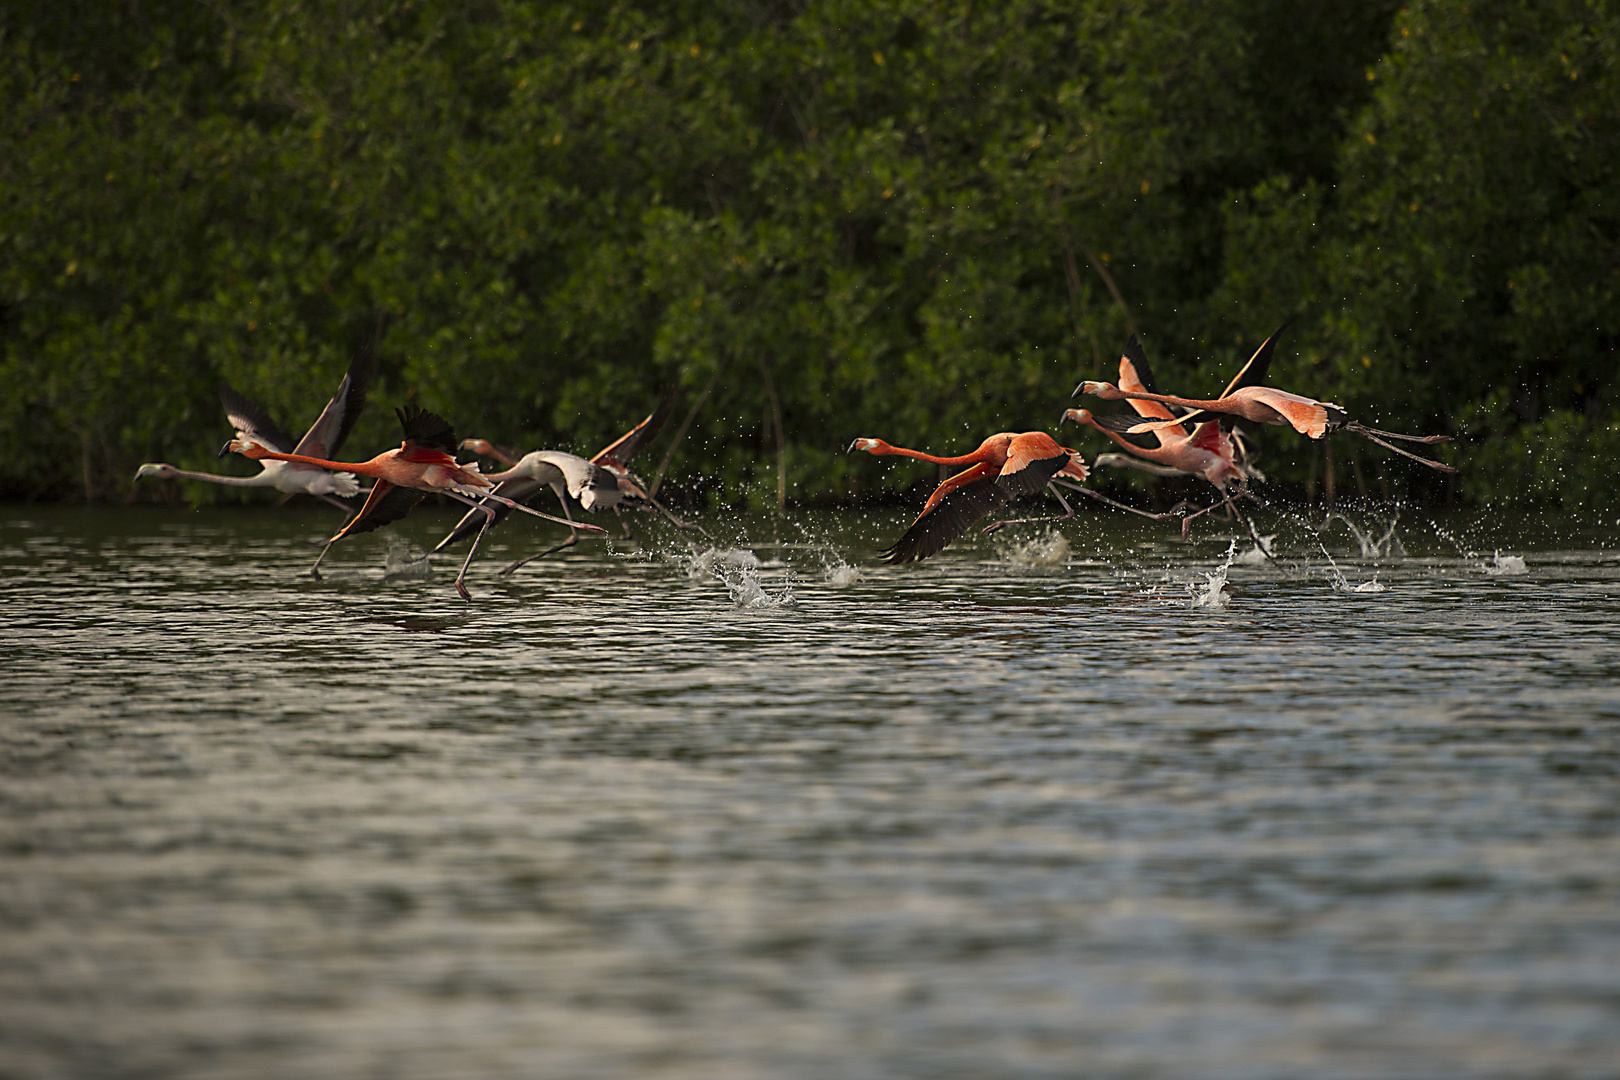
x: 251, y: 421
x: 946, y: 520
x: 587, y: 481
x: 386, y: 504
x: 1210, y: 436
x: 1032, y: 460
x: 1254, y: 372
x: 326, y: 436
x: 1136, y: 377
x: 1141, y: 426
x: 617, y: 454
x: 427, y: 430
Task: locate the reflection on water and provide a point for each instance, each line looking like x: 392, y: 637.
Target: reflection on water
x: 1030, y: 809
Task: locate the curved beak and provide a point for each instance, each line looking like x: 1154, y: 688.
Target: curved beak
x: 1063, y: 417
x: 226, y: 449
x: 852, y: 445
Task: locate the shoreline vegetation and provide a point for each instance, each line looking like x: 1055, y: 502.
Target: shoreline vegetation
x: 924, y: 222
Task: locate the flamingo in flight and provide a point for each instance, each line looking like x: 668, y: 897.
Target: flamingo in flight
x: 422, y: 463
x: 1005, y: 466
x: 324, y: 438
x: 602, y: 482
x: 1210, y: 449
x: 1246, y: 398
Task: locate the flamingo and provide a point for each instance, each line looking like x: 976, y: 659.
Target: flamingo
x: 323, y: 438
x: 422, y: 463
x: 1244, y: 397
x: 1005, y: 466
x: 1211, y: 449
x: 604, y: 482
x: 1206, y: 451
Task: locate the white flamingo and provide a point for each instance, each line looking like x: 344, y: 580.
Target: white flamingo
x: 322, y: 440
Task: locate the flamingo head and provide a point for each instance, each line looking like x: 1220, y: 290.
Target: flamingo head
x: 478, y: 446
x: 1079, y: 416
x: 159, y: 469
x: 1107, y: 391
x: 248, y: 449
x: 871, y: 446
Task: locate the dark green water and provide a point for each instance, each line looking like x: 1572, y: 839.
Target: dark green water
x: 1007, y: 814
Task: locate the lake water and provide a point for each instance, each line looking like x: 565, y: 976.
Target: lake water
x: 1051, y: 805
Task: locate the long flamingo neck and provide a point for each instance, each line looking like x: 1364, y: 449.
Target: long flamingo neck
x: 262, y: 479
x: 1152, y: 453
x: 884, y: 449
x: 1170, y: 399
x: 364, y: 468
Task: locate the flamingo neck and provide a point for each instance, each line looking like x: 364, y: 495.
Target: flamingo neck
x: 264, y: 478
x: 885, y: 450
x: 372, y: 468
x: 1152, y: 453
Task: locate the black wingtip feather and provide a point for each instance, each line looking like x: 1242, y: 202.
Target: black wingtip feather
x: 427, y: 429
x: 1138, y: 358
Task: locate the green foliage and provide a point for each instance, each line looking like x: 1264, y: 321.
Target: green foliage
x: 924, y: 221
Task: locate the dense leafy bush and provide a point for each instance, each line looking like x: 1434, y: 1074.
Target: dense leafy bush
x: 919, y: 220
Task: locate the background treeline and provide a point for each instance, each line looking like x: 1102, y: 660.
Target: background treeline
x: 924, y: 221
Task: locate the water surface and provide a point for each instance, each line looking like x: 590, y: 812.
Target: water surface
x: 1042, y: 807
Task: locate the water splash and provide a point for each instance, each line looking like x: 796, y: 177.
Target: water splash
x: 841, y: 574
x: 1215, y: 592
x: 1386, y: 546
x: 738, y: 570
x: 713, y: 561
x: 401, y: 563
x: 1342, y: 584
x: 1259, y: 552
x: 1041, y: 551
x: 1505, y: 565
x: 743, y: 583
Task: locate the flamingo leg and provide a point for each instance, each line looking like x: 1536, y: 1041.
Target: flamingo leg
x: 348, y: 511
x: 573, y: 538
x: 1068, y: 512
x: 489, y: 519
x: 315, y: 571
x: 675, y: 521
x: 461, y: 577
x: 1366, y: 433
x: 1100, y: 497
x: 1258, y: 546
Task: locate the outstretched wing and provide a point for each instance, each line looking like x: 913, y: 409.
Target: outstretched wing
x: 252, y: 422
x: 1136, y: 377
x: 618, y: 454
x: 1254, y: 372
x: 326, y: 436
x: 385, y: 505
x: 952, y: 516
x: 427, y: 430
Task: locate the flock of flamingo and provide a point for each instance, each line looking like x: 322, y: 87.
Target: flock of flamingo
x: 1193, y: 436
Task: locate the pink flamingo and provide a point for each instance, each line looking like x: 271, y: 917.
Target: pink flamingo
x: 1244, y: 397
x: 422, y: 463
x: 1004, y: 467
x: 1211, y: 449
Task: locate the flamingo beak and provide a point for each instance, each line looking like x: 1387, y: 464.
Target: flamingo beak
x: 226, y: 449
x: 854, y: 443
x: 1064, y: 416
